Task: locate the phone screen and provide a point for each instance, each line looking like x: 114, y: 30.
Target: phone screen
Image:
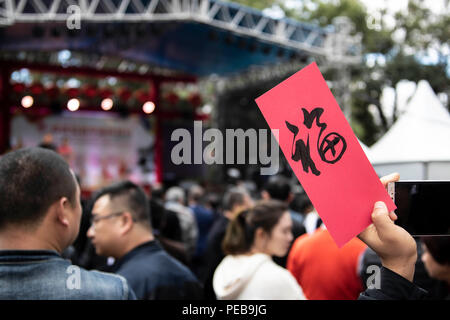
x: 423, y: 207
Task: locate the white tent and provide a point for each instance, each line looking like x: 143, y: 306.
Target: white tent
x: 365, y: 148
x: 418, y: 144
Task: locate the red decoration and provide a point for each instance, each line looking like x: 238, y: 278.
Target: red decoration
x: 36, y: 89
x: 52, y: 92
x: 73, y: 92
x: 195, y: 99
x: 18, y: 87
x: 143, y: 96
x: 106, y: 93
x: 90, y: 91
x: 124, y: 94
x: 172, y: 98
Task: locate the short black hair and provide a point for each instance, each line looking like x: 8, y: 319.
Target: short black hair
x: 31, y: 180
x: 131, y: 196
x: 234, y: 196
x: 278, y: 188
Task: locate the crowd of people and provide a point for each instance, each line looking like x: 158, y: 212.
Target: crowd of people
x: 190, y: 243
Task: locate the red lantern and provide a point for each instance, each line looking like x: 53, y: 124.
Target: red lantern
x: 106, y: 93
x: 90, y: 91
x: 36, y: 89
x: 18, y: 87
x: 172, y: 98
x: 73, y: 92
x: 124, y: 94
x: 195, y: 99
x: 52, y: 92
x: 143, y: 96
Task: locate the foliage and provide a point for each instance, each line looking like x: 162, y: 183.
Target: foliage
x: 400, y: 51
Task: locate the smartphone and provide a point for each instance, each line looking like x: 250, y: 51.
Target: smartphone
x: 423, y: 207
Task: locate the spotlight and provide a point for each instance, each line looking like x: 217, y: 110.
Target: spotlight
x: 266, y: 50
x: 280, y: 52
x: 229, y: 39
x: 212, y: 35
x: 27, y: 101
x: 252, y: 47
x: 107, y: 104
x: 37, y: 32
x: 148, y: 107
x: 73, y: 105
x: 55, y: 32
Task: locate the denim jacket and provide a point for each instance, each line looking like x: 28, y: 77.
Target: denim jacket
x: 42, y: 274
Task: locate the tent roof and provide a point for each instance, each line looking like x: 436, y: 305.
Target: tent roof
x: 421, y: 134
x: 365, y: 148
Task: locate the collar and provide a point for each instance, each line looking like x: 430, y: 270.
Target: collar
x: 9, y: 256
x: 148, y: 247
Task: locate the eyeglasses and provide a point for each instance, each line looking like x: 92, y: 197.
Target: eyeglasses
x: 96, y: 218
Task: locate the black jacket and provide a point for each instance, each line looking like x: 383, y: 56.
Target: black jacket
x: 394, y: 287
x: 154, y: 275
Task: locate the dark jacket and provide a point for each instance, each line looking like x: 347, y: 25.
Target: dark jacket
x: 436, y: 289
x: 154, y: 275
x: 394, y: 287
x: 214, y: 254
x: 45, y: 275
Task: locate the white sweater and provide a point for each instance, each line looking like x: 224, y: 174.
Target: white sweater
x: 254, y: 277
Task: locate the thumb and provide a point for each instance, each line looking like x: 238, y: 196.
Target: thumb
x: 381, y: 220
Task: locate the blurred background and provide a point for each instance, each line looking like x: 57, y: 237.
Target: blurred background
x: 105, y: 82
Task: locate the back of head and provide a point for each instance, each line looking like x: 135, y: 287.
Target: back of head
x: 31, y: 180
x: 279, y: 188
x: 128, y: 196
x: 240, y: 232
x: 196, y: 193
x: 304, y: 203
x: 175, y: 194
x: 234, y: 197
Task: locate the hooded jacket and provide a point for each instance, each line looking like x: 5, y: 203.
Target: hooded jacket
x: 254, y: 277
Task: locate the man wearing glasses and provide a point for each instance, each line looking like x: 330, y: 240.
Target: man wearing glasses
x: 121, y: 228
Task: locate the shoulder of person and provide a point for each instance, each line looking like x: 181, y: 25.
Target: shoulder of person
x: 273, y: 271
x: 106, y: 285
x: 279, y: 279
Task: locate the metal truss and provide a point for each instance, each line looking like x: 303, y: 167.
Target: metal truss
x: 222, y: 15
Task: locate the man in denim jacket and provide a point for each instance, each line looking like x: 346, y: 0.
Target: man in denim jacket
x: 40, y: 215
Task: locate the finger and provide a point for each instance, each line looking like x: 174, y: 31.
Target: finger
x: 393, y: 177
x: 393, y: 216
x: 382, y: 221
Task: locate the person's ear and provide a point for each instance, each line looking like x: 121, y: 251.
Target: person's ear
x: 265, y: 195
x: 260, y: 234
x: 62, y: 213
x: 126, y: 222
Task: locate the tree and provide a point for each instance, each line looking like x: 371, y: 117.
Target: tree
x: 399, y: 51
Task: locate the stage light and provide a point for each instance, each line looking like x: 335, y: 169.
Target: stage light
x: 73, y: 105
x: 107, y: 104
x: 27, y: 101
x: 148, y: 107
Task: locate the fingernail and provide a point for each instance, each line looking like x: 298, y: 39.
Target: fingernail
x: 380, y: 205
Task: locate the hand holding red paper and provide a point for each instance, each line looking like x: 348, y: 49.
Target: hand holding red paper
x: 324, y: 153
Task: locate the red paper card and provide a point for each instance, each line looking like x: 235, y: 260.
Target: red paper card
x: 324, y: 153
